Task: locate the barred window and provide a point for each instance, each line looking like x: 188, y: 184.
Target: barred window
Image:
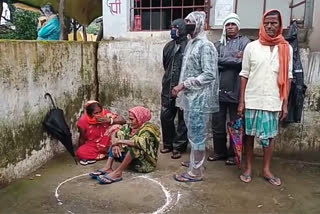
x: 156, y: 15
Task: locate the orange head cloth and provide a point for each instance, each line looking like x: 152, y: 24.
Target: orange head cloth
x: 284, y: 55
x: 93, y: 120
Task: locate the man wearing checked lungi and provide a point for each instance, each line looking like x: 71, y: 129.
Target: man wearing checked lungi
x: 264, y: 89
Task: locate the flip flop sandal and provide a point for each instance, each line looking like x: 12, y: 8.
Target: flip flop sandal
x: 273, y: 180
x: 91, y: 161
x: 245, y: 178
x: 176, y: 155
x: 102, y: 181
x: 186, y: 178
x: 165, y: 150
x: 95, y: 174
x: 185, y: 163
x: 231, y: 162
x: 216, y: 158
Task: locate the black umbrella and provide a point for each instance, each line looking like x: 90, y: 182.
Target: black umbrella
x: 57, y: 127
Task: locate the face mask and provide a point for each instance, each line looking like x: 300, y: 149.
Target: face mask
x: 174, y: 34
x: 190, y: 28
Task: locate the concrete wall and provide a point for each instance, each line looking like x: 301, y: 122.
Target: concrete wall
x: 302, y: 141
x: 130, y: 73
x: 314, y: 34
x: 27, y: 71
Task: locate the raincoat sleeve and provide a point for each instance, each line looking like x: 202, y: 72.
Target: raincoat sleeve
x: 164, y: 57
x: 209, y: 63
x: 49, y: 28
x: 246, y: 62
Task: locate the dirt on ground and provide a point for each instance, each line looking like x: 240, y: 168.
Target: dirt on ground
x: 157, y: 192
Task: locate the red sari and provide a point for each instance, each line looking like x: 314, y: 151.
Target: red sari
x: 97, y: 138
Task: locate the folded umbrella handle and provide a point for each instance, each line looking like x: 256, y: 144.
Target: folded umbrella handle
x: 49, y: 95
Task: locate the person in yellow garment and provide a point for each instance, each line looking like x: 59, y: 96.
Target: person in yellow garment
x: 135, y: 145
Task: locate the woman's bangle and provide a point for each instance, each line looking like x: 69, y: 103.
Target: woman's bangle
x: 111, y: 120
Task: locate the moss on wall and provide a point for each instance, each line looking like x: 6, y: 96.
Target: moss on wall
x: 19, y: 138
x: 34, y: 68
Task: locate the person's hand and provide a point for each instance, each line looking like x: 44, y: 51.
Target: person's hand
x: 116, y: 151
x: 102, y: 148
x: 284, y: 113
x: 241, y: 108
x: 115, y: 140
x: 177, y: 89
x: 103, y: 119
x: 239, y: 54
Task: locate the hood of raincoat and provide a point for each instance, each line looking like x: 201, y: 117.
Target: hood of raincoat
x: 198, y: 18
x: 179, y: 23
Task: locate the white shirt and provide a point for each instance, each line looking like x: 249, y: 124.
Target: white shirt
x: 261, y: 67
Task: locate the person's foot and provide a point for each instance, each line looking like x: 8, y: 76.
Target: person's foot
x: 101, y: 172
x: 107, y: 179
x: 216, y: 157
x: 268, y: 176
x: 246, y: 178
x: 165, y: 150
x: 185, y: 177
x: 112, y: 176
x: 185, y: 163
x: 176, y: 154
x: 231, y: 161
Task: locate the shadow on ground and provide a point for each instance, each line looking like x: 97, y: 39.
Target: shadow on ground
x: 220, y: 192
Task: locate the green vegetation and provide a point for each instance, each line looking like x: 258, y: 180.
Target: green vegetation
x: 25, y: 23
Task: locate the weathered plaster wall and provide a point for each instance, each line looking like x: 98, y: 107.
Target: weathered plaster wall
x: 314, y: 33
x: 130, y: 73
x: 302, y: 141
x: 27, y: 71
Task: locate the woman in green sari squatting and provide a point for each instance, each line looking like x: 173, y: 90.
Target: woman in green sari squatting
x: 135, y: 145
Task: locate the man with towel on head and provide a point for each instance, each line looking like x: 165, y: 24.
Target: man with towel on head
x: 230, y: 50
x: 265, y: 85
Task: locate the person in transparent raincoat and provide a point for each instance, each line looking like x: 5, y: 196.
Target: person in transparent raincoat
x: 197, y: 93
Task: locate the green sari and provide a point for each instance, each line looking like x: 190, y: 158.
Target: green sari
x: 146, y: 145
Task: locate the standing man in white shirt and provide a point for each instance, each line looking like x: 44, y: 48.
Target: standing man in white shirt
x: 264, y: 89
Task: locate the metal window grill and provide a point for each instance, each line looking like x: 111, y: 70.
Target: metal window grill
x: 157, y: 15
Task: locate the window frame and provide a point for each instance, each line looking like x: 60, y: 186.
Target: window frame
x: 206, y: 5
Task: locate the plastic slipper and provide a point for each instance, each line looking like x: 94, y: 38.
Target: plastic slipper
x: 176, y: 154
x: 185, y: 163
x: 186, y: 178
x: 97, y: 173
x: 273, y: 180
x: 231, y: 162
x: 102, y: 181
x: 216, y: 157
x: 165, y: 150
x: 245, y: 178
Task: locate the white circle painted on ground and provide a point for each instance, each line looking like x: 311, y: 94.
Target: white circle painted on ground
x: 171, y: 201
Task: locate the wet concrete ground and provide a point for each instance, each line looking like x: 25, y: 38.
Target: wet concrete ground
x: 220, y: 192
